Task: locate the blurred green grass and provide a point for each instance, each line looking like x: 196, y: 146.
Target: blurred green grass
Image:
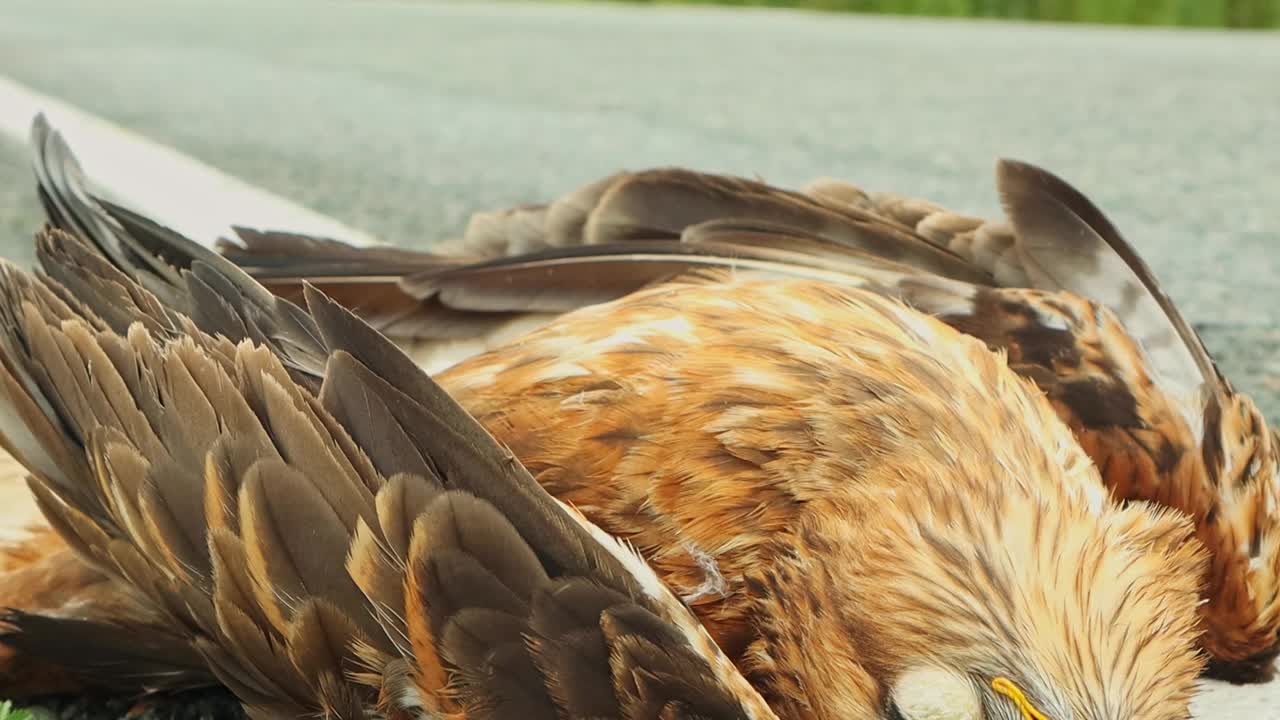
x: 1254, y: 14
x: 8, y: 712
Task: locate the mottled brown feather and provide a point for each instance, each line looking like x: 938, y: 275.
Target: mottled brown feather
x: 266, y: 612
x: 1142, y: 393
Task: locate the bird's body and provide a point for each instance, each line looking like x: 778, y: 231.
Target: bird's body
x: 1055, y: 287
x: 843, y: 506
x: 839, y: 471
x: 858, y: 500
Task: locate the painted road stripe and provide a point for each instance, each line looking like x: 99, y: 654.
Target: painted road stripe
x: 195, y: 199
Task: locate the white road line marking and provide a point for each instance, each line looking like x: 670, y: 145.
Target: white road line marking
x: 160, y: 182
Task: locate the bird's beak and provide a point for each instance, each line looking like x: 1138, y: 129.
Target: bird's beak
x: 1005, y: 687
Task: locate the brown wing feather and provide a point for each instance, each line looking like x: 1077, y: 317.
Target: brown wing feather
x: 146, y: 444
x: 170, y: 274
x: 259, y: 605
x: 587, y: 239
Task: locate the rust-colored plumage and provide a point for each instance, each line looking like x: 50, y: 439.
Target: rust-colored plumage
x: 735, y: 455
x: 1056, y: 287
x: 832, y: 567
x: 841, y: 505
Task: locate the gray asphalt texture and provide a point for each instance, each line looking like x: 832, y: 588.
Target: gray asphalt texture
x: 403, y: 118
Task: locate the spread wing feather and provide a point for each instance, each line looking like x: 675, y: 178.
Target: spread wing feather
x: 213, y: 483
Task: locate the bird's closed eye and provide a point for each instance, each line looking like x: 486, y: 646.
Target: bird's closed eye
x: 932, y: 693
x: 1006, y: 687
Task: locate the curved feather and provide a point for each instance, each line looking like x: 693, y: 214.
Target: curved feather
x: 223, y: 491
x: 1068, y: 243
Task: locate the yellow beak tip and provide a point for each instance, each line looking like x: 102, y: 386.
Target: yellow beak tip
x: 1009, y: 689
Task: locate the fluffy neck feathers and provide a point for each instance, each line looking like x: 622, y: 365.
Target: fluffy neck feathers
x: 1090, y: 610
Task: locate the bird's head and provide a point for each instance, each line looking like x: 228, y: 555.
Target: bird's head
x: 1024, y: 608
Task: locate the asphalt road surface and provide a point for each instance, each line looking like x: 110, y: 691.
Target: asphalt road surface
x: 402, y: 118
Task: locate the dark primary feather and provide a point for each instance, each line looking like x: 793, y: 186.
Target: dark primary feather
x: 180, y: 275
x: 564, y: 279
x: 275, y: 254
x: 64, y: 193
x: 1069, y: 244
x: 113, y: 655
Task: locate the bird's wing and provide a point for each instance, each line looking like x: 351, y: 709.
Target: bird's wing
x: 202, y: 476
x: 1067, y: 243
x: 124, y: 254
x: 145, y: 456
x: 635, y: 228
x: 63, y: 191
x: 625, y: 220
x: 589, y: 246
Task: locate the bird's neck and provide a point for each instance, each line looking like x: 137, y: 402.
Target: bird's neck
x: 806, y: 660
x: 976, y: 578
x: 846, y: 605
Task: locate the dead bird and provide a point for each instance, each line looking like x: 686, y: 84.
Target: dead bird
x: 1055, y: 287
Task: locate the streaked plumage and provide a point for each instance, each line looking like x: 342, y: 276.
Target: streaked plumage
x: 1056, y: 287
x: 854, y: 511
x: 849, y: 561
